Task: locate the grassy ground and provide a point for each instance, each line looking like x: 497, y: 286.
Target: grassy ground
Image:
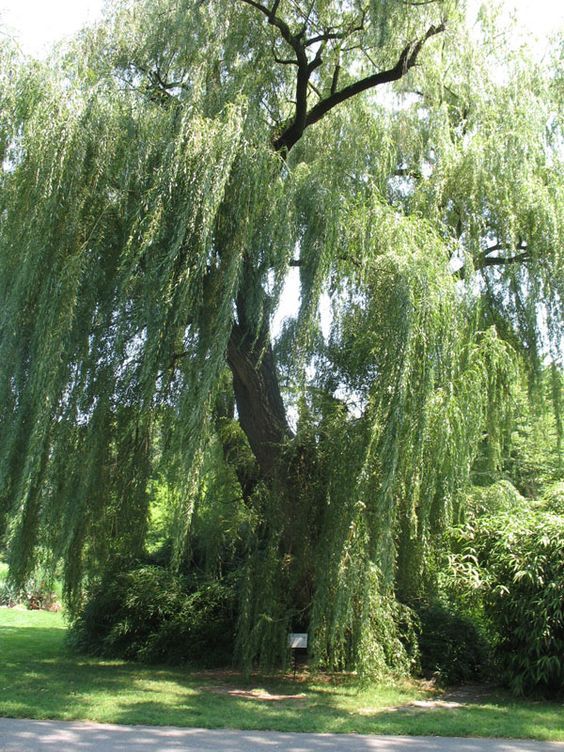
x: 40, y: 678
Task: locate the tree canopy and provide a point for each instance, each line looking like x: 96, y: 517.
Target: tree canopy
x: 161, y: 176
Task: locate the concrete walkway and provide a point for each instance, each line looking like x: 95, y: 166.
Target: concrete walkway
x: 58, y: 736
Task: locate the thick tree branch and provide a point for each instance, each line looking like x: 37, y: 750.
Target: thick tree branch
x: 484, y: 260
x: 304, y: 118
x: 406, y: 61
x: 408, y: 58
x: 502, y: 260
x: 258, y: 6
x: 305, y: 67
x: 521, y: 246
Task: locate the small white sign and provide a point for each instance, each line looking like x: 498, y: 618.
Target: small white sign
x: 297, y: 640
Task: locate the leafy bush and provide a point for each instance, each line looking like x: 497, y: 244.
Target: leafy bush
x: 202, y: 632
x: 148, y: 613
x: 494, y: 499
x: 452, y: 648
x: 519, y: 562
x: 553, y: 498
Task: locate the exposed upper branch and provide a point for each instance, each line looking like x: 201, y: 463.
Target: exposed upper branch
x: 521, y: 246
x: 485, y: 260
x: 300, y: 44
x: 405, y: 62
x: 502, y: 260
x: 291, y: 135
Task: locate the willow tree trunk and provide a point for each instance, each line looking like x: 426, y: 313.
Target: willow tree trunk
x: 260, y: 408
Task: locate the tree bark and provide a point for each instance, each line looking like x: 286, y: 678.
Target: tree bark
x: 260, y: 407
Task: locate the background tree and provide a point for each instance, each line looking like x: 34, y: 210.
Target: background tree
x: 158, y: 181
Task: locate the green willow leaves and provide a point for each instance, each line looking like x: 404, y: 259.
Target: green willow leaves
x: 147, y: 216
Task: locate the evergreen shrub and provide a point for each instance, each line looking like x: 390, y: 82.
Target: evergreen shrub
x: 151, y: 614
x: 518, y: 560
x: 553, y: 498
x: 452, y: 646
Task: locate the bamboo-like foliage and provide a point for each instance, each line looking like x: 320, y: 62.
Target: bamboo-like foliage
x: 143, y: 209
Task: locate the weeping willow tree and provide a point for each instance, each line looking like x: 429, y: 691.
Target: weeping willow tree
x: 162, y: 178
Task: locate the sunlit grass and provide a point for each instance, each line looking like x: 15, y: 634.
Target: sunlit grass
x: 40, y: 678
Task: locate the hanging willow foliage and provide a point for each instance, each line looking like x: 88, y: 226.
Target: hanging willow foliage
x: 158, y: 179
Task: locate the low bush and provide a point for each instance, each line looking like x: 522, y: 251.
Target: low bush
x: 151, y: 614
x: 519, y: 564
x: 452, y: 648
x: 553, y: 498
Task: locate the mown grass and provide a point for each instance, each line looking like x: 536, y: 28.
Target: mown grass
x: 40, y: 678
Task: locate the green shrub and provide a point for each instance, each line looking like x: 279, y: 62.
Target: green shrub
x: 452, y: 648
x: 519, y: 562
x: 553, y: 498
x: 202, y: 632
x: 149, y: 614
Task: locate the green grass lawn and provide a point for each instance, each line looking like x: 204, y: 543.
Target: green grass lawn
x: 40, y: 678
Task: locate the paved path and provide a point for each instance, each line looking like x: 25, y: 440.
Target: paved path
x: 58, y: 736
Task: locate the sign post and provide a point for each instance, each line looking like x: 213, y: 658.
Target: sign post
x: 296, y: 641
